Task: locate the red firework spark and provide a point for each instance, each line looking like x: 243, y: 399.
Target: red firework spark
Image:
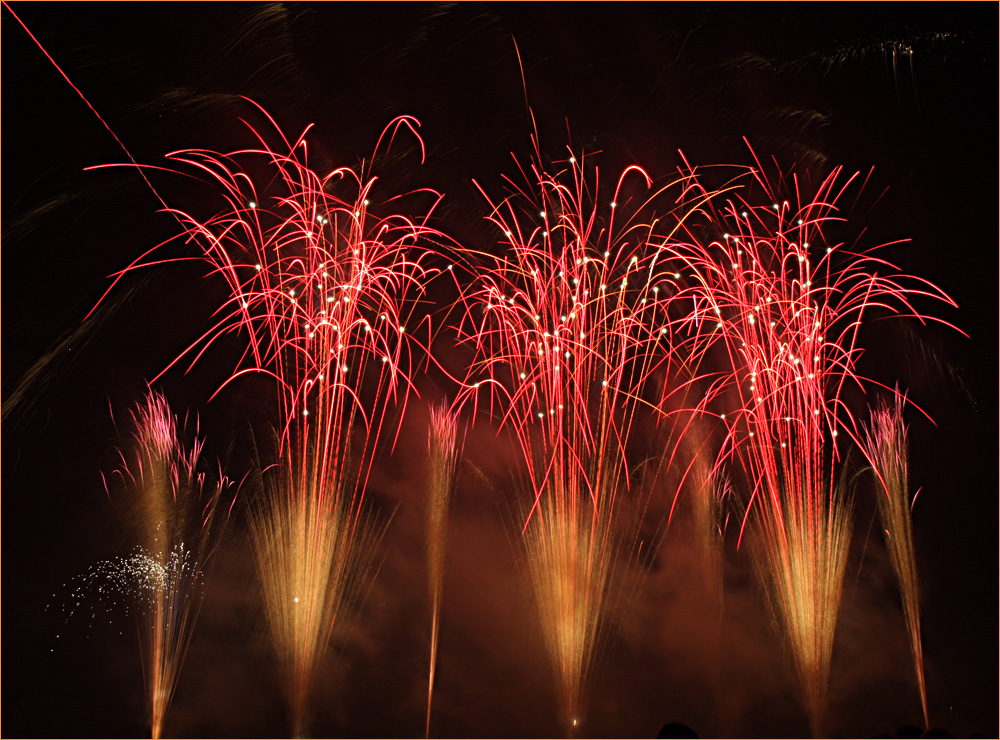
x: 563, y: 324
x: 785, y: 305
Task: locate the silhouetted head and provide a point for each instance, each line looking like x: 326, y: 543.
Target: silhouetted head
x: 676, y: 729
x: 937, y: 732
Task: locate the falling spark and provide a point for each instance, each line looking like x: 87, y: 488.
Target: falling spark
x: 885, y: 446
x: 443, y: 450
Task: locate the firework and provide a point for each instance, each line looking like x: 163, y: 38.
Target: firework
x: 443, y: 452
x: 314, y: 557
x: 885, y: 446
x: 780, y: 307
x: 563, y: 326
x: 686, y: 461
x: 180, y: 526
x: 708, y: 489
x: 322, y: 290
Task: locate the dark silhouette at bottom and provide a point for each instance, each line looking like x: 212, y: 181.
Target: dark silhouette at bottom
x: 676, y: 729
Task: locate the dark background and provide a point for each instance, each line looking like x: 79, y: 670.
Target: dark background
x: 909, y: 88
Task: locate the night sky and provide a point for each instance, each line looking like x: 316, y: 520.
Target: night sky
x: 907, y: 88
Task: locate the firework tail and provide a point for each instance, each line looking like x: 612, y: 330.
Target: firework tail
x: 707, y: 497
x: 181, y: 524
x: 570, y: 570
x: 885, y: 445
x: 315, y: 559
x: 688, y: 454
x: 443, y: 449
x: 802, y: 558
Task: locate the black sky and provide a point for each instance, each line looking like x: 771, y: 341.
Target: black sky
x: 907, y: 88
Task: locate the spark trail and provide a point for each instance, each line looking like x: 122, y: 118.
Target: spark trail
x: 779, y: 307
x: 885, y: 446
x: 443, y: 447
